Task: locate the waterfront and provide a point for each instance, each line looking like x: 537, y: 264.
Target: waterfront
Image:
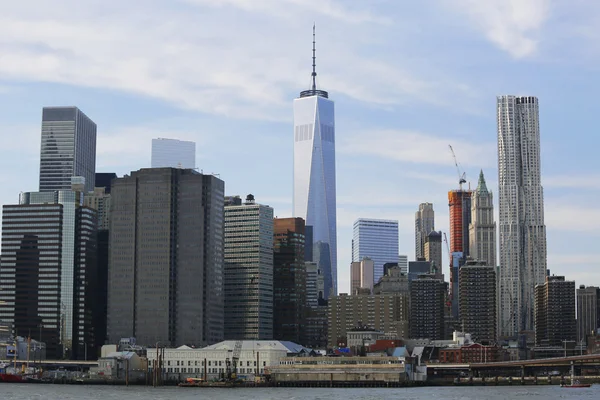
x: 73, y: 392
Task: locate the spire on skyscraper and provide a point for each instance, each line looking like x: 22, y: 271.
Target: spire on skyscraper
x: 481, y: 186
x: 314, y: 64
x: 313, y: 89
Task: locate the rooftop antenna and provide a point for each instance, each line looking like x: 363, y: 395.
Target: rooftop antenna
x: 314, y: 64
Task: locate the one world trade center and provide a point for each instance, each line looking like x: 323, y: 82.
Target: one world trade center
x: 314, y: 176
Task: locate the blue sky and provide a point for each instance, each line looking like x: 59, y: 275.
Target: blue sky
x: 408, y: 78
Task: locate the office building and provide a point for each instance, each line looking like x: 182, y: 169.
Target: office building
x: 478, y: 301
x: 588, y: 308
x: 416, y: 268
x: 173, y: 153
x: 555, y: 312
x: 99, y: 200
x: 433, y: 250
x: 403, y: 263
x: 482, y: 230
x: 48, y: 269
x: 314, y: 174
x: 522, y: 233
x: 376, y: 239
x: 424, y: 223
x: 104, y: 180
x: 361, y: 274
x: 387, y: 312
x: 427, y: 297
x: 315, y: 284
x: 289, y: 279
x: 68, y: 148
x: 165, y: 278
x: 248, y: 271
x: 394, y: 281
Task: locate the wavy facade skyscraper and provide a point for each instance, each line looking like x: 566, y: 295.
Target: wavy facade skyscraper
x: 522, y: 232
x: 314, y: 175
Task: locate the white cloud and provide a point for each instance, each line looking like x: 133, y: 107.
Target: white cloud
x: 205, y: 57
x: 569, y: 217
x: 416, y: 147
x: 572, y: 181
x: 513, y: 25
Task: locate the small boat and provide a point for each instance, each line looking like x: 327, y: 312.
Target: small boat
x: 575, y: 383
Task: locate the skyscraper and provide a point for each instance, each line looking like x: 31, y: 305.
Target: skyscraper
x: 68, y: 148
x: 173, y: 153
x: 289, y: 279
x: 427, y: 295
x: 482, y: 230
x: 47, y: 271
x: 376, y: 239
x: 478, y: 301
x: 433, y: 250
x: 555, y: 312
x: 588, y: 316
x: 314, y: 174
x: 248, y: 271
x: 459, y: 202
x: 424, y: 223
x: 521, y: 212
x: 165, y: 278
x: 361, y: 275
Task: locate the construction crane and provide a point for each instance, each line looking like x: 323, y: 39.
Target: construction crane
x: 235, y: 358
x: 449, y: 294
x: 461, y: 177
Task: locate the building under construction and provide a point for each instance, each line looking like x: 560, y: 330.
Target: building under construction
x: 459, y: 202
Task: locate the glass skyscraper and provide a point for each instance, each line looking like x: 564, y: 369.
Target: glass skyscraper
x: 48, y: 270
x: 173, y: 153
x: 314, y: 175
x: 68, y: 148
x: 376, y: 239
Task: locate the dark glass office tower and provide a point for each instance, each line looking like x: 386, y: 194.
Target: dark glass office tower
x: 68, y: 148
x: 48, y: 271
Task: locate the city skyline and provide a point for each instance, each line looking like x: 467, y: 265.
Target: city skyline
x: 385, y: 119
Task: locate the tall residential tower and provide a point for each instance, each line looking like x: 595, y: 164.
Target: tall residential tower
x: 522, y: 232
x: 314, y: 174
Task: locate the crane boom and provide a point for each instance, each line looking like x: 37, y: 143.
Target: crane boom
x: 461, y: 176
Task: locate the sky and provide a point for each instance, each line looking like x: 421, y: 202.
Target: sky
x: 408, y: 79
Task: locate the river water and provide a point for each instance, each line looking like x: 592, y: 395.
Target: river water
x: 9, y: 391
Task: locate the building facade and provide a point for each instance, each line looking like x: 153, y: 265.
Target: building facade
x: 68, y: 148
x: 314, y: 174
x: 173, y: 153
x: 427, y: 297
x: 478, y: 301
x: 482, y: 230
x: 387, y: 312
x: 289, y: 279
x: 522, y: 233
x: 165, y: 278
x: 376, y: 239
x: 361, y: 275
x: 424, y: 223
x: 433, y: 250
x: 248, y: 271
x: 403, y: 263
x: 555, y: 312
x: 47, y: 273
x: 588, y: 308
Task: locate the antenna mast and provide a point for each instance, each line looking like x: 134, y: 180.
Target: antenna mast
x: 314, y: 64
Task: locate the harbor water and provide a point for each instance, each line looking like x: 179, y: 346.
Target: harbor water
x: 75, y: 392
